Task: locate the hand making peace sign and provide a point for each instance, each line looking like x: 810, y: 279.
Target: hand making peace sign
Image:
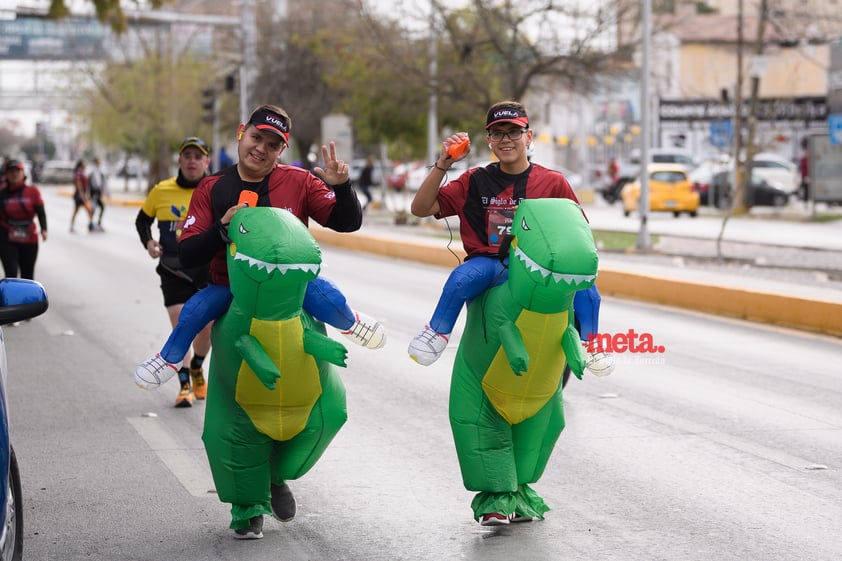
x: 335, y: 171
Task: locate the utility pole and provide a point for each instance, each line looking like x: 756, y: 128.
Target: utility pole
x: 755, y: 71
x: 737, y: 206
x: 249, y: 57
x: 644, y: 242
x: 433, y: 141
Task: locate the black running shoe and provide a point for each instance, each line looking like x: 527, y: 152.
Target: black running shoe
x: 283, y: 503
x: 253, y: 532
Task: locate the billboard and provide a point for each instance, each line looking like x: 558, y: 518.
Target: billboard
x: 31, y: 38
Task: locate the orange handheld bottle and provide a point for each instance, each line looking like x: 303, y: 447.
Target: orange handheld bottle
x: 457, y: 149
x: 248, y: 197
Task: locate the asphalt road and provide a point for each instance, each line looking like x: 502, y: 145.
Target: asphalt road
x: 726, y: 446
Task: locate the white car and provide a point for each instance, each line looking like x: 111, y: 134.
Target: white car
x: 58, y: 171
x: 776, y: 170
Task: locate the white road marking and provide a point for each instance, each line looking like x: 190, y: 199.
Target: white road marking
x: 195, y: 478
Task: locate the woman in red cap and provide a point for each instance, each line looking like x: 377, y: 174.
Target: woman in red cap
x: 19, y: 205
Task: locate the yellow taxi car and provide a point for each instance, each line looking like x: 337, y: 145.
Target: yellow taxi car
x: 670, y: 190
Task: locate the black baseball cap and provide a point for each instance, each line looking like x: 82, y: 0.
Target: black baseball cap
x: 269, y: 121
x: 14, y: 164
x: 196, y: 142
x: 507, y: 114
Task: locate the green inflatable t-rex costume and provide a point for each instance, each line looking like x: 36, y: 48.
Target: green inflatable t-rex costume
x: 276, y: 401
x: 505, y: 398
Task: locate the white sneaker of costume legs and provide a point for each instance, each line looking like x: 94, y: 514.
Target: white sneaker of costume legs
x: 366, y: 332
x: 599, y: 363
x: 155, y: 371
x: 426, y: 347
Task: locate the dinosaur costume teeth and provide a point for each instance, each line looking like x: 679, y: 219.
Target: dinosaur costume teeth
x: 272, y: 267
x: 572, y: 280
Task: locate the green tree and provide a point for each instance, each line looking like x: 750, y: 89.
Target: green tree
x: 146, y: 106
x: 486, y: 51
x: 107, y: 11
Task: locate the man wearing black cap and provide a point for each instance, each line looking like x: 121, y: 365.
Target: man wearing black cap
x: 328, y: 199
x: 485, y: 199
x: 168, y: 202
x: 20, y: 204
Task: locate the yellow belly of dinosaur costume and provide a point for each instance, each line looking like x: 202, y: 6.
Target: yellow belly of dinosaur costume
x: 283, y: 412
x: 515, y: 397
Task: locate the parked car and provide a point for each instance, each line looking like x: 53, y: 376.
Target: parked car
x: 777, y: 170
x: 57, y: 171
x: 762, y: 192
x: 670, y: 189
x: 20, y: 300
x: 630, y: 170
x: 702, y: 178
x: 133, y: 167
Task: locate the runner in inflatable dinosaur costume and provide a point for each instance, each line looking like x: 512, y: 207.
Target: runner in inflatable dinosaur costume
x: 505, y: 399
x: 277, y: 400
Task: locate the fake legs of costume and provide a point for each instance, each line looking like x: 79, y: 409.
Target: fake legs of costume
x: 498, y: 459
x: 586, y: 309
x: 322, y: 299
x: 245, y: 462
x: 478, y: 274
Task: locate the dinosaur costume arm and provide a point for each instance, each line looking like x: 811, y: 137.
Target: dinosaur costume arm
x: 512, y: 342
x: 323, y: 347
x: 255, y: 356
x: 572, y: 345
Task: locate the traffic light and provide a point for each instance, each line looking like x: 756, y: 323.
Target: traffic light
x: 230, y: 82
x: 208, y: 103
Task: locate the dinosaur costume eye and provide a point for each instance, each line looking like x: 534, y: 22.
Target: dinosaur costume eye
x: 523, y: 225
x: 243, y: 229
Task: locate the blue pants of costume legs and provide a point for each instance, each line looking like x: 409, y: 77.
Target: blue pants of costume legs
x: 478, y: 274
x: 322, y: 299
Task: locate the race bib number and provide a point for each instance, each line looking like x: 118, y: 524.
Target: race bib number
x: 499, y: 225
x: 19, y: 229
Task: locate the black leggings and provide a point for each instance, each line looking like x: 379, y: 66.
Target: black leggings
x: 18, y: 257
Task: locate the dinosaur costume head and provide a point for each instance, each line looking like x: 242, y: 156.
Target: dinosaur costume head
x: 552, y: 256
x: 271, y: 258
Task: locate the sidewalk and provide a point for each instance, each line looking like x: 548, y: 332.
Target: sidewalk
x: 789, y: 286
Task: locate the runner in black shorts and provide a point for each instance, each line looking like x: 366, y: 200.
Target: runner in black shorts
x: 168, y: 202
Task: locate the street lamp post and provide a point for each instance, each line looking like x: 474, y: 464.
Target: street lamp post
x: 249, y: 56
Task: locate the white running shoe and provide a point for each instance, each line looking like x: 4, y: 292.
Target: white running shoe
x: 599, y: 363
x: 426, y: 347
x: 154, y: 371
x: 366, y: 332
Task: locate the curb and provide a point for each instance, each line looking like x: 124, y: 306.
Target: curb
x: 818, y: 316
x: 110, y: 200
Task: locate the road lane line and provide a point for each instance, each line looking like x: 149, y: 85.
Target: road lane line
x: 196, y: 480
x: 709, y: 433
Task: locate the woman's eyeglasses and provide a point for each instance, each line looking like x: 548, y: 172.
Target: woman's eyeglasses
x: 514, y: 134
